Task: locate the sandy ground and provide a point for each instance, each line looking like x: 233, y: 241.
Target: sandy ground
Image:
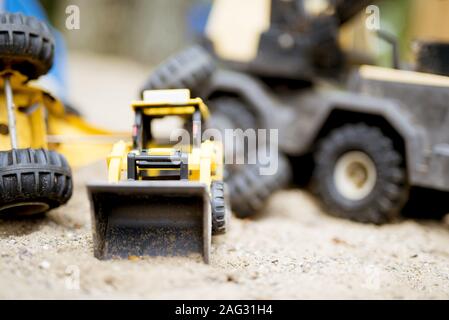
x: 292, y: 250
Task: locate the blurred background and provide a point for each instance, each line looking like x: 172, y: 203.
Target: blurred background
x: 144, y: 30
x: 148, y: 31
x: 118, y: 42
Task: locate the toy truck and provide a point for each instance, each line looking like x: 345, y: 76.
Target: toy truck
x: 161, y: 198
x: 371, y: 142
x: 33, y: 179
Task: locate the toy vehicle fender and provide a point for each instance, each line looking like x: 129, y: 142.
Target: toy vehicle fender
x: 117, y: 161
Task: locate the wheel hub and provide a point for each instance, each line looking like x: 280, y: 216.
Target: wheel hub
x: 355, y: 175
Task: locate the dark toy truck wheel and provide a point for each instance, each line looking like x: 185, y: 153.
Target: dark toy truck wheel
x: 26, y: 45
x: 249, y: 190
x: 219, y: 210
x: 231, y: 113
x: 33, y: 181
x: 359, y: 175
x: 188, y: 69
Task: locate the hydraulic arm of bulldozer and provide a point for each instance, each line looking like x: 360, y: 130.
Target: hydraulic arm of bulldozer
x: 311, y: 33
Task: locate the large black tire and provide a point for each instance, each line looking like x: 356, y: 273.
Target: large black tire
x: 219, y: 210
x: 26, y: 45
x: 231, y: 113
x: 359, y: 175
x: 188, y: 69
x: 33, y: 181
x: 249, y: 190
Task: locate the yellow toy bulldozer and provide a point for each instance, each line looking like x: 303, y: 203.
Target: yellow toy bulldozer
x: 33, y: 179
x: 37, y: 134
x: 161, y: 198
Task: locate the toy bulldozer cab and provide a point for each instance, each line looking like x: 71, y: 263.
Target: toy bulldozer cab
x: 161, y: 199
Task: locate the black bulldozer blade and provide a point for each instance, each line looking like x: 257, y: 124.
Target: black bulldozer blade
x: 150, y: 218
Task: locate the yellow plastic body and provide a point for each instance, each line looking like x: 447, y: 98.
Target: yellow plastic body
x: 80, y: 142
x: 41, y: 122
x: 205, y: 163
x: 30, y: 104
x: 167, y: 108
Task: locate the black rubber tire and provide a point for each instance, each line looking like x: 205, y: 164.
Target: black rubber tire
x: 188, y: 69
x: 218, y: 204
x: 249, y: 190
x: 388, y: 196
x: 26, y: 45
x: 235, y: 113
x: 231, y: 113
x: 33, y: 181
